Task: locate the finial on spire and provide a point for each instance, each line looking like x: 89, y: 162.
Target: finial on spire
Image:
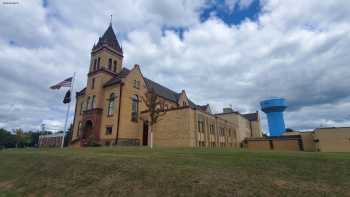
x: 110, y: 23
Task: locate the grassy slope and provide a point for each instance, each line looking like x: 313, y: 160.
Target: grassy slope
x: 172, y: 172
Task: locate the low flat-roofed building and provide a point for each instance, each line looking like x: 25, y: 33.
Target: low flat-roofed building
x: 332, y: 139
x: 51, y: 140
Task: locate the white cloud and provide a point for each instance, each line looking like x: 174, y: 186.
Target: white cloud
x: 242, y: 4
x: 288, y: 52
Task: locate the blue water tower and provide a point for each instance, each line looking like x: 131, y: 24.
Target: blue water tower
x: 274, y: 110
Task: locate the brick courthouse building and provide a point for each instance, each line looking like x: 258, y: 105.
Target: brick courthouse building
x: 110, y: 109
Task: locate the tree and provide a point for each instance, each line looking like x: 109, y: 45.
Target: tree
x: 156, y: 109
x: 22, y: 139
x: 7, y: 139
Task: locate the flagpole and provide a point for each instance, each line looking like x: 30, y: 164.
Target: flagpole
x: 67, y: 113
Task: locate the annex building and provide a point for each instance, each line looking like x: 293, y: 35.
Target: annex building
x: 110, y: 109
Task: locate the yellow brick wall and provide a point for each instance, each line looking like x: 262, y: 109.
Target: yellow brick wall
x: 174, y: 129
x: 259, y: 145
x: 242, y: 126
x: 107, y: 121
x: 333, y: 139
x: 78, y: 117
x: 308, y: 141
x: 285, y: 145
x: 129, y: 129
x: 104, y: 55
x: 256, y: 128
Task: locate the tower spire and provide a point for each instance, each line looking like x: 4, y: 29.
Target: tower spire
x: 110, y: 23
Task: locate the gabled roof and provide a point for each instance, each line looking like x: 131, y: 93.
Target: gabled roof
x: 251, y: 116
x: 118, y: 78
x: 110, y: 39
x: 81, y: 92
x: 203, y: 107
x: 192, y: 104
x: 162, y: 91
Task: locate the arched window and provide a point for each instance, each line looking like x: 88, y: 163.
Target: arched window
x: 110, y: 110
x: 115, y: 66
x: 110, y: 64
x: 98, y: 62
x: 93, y: 102
x: 95, y: 64
x: 134, y: 108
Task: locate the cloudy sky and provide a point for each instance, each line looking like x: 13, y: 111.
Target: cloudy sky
x: 228, y: 52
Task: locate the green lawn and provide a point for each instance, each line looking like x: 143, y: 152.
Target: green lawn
x: 121, y: 171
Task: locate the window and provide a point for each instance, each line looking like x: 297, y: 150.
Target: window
x: 88, y: 103
x: 111, y: 105
x: 95, y: 64
x: 79, y: 128
x: 200, y: 126
x: 136, y: 84
x: 211, y: 129
x: 93, y: 102
x: 184, y: 103
x: 222, y: 131
x: 229, y: 132
x: 110, y: 64
x: 98, y: 63
x: 93, y: 83
x: 115, y: 66
x: 134, y: 108
x: 81, y: 108
x: 109, y: 130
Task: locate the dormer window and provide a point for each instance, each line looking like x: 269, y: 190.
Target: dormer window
x: 110, y: 64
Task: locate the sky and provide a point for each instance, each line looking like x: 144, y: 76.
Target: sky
x: 222, y: 52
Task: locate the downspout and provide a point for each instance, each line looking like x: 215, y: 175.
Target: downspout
x: 119, y: 106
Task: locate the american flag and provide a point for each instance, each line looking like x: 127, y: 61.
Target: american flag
x: 65, y: 83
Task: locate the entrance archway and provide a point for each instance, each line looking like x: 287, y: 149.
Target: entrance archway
x: 87, y: 131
